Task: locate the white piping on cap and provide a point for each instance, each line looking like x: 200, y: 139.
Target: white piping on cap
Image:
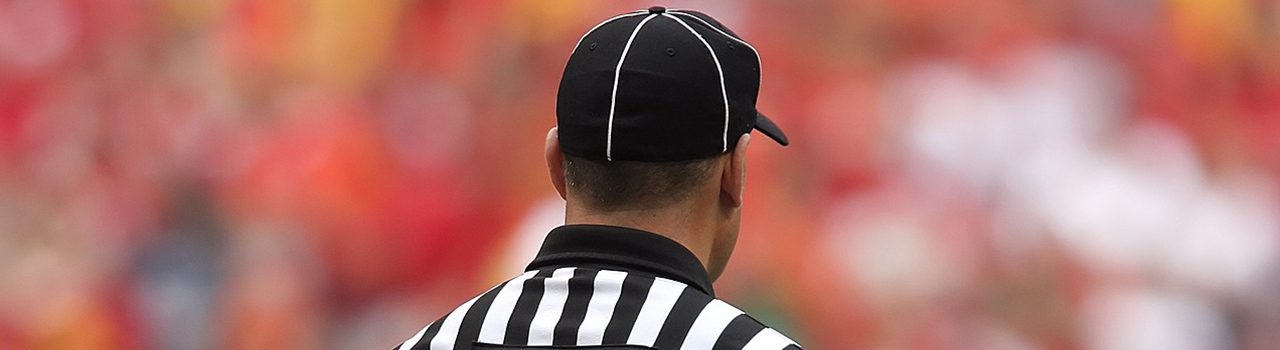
x: 617, y: 73
x: 740, y: 41
x: 602, y: 23
x: 724, y: 138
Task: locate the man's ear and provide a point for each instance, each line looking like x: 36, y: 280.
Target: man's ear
x: 555, y: 161
x: 734, y: 177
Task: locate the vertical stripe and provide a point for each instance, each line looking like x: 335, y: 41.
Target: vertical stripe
x: 710, y: 323
x: 550, y: 308
x: 617, y: 74
x: 449, y: 327
x: 518, y: 328
x: 681, y: 318
x: 657, y: 306
x: 737, y: 333
x: 427, y: 332
x: 494, y: 327
x: 768, y: 339
x: 724, y: 94
x: 635, y: 290
x: 731, y: 37
x: 604, y: 296
x: 581, y: 287
x: 474, y: 317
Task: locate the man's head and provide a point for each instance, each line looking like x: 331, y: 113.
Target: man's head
x: 703, y: 196
x: 654, y: 112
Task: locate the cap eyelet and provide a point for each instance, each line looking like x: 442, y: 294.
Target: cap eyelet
x: 731, y: 45
x: 592, y: 47
x: 671, y: 51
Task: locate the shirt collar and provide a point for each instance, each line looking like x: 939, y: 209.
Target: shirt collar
x: 630, y: 249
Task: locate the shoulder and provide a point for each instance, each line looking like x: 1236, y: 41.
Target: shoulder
x: 723, y: 326
x: 706, y: 322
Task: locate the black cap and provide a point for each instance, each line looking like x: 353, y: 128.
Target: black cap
x: 659, y: 85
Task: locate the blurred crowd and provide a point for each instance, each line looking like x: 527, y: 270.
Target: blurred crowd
x: 334, y: 174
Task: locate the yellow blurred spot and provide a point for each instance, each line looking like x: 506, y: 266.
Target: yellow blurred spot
x: 544, y: 21
x: 343, y: 41
x: 189, y: 14
x: 1212, y: 32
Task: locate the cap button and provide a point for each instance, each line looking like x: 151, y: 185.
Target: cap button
x: 657, y: 9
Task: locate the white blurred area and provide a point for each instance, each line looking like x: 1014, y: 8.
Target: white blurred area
x: 1174, y: 253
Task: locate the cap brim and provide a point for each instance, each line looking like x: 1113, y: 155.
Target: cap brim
x: 770, y: 129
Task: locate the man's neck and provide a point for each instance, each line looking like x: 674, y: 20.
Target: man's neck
x: 676, y: 223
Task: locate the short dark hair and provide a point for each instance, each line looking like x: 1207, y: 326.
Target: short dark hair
x: 629, y: 185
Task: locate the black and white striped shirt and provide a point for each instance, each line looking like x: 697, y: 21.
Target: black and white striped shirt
x: 601, y: 287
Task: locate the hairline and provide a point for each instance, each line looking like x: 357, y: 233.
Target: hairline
x: 658, y: 188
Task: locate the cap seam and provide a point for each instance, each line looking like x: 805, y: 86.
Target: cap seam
x: 759, y: 60
x: 617, y: 74
x: 724, y: 94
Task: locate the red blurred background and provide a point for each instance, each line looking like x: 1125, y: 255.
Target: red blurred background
x: 311, y: 174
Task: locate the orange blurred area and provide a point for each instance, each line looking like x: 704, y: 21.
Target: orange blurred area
x: 334, y: 174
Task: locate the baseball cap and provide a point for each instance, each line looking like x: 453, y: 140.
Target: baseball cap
x: 659, y: 85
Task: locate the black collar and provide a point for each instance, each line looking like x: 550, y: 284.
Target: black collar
x: 621, y: 247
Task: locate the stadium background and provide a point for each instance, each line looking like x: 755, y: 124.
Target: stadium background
x: 310, y: 174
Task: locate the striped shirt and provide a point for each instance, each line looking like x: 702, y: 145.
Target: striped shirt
x: 601, y: 287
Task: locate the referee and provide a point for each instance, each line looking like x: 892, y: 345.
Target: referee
x: 654, y: 114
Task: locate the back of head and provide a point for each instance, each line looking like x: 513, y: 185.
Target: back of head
x: 659, y: 86
x: 653, y: 115
x: 648, y: 101
x: 611, y: 186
